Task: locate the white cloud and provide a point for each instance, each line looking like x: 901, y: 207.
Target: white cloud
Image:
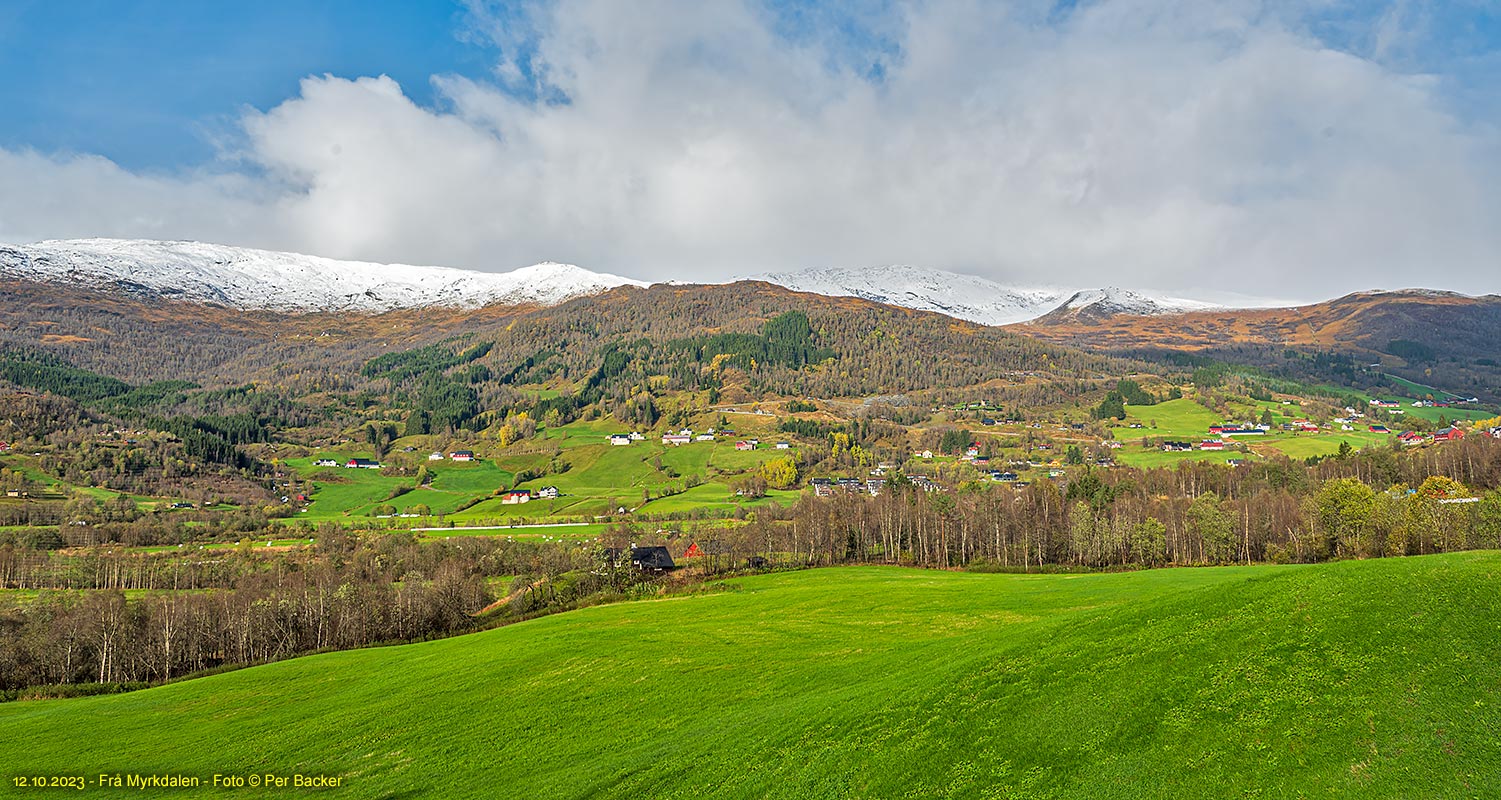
x: 1208, y: 145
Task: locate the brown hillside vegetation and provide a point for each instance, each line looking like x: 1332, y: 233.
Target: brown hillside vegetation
x: 1369, y: 321
x: 877, y: 349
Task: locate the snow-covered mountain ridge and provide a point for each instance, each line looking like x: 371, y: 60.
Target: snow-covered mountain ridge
x: 973, y: 298
x: 260, y: 279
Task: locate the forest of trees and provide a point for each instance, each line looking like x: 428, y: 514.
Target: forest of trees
x: 241, y: 606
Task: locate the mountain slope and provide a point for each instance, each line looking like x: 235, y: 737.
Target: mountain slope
x: 1093, y: 305
x: 259, y: 279
x: 1448, y: 322
x: 973, y: 298
x: 1372, y: 679
x: 964, y: 296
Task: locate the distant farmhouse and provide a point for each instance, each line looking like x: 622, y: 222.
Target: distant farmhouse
x: 646, y: 559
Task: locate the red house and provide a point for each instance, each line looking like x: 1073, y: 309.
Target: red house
x: 1449, y: 434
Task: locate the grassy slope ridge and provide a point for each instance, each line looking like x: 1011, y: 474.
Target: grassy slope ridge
x: 1372, y: 679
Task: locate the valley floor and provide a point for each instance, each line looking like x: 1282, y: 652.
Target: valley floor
x: 1353, y: 679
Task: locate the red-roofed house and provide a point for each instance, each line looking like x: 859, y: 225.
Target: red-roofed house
x: 1449, y: 434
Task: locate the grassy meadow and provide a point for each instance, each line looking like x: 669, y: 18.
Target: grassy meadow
x: 1186, y: 420
x: 1373, y: 679
x: 600, y: 478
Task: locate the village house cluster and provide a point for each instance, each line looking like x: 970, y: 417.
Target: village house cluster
x: 687, y: 436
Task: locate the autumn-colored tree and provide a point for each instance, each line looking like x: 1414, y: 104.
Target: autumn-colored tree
x: 780, y: 473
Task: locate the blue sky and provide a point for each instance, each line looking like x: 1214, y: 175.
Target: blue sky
x: 1324, y: 145
x: 152, y: 83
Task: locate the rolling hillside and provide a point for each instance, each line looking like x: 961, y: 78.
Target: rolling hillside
x: 1446, y: 322
x: 1363, y: 678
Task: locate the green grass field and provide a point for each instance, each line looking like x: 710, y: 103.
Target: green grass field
x: 1174, y: 419
x: 1186, y: 420
x: 600, y: 478
x: 1373, y: 679
x: 360, y: 491
x: 581, y: 532
x: 1134, y: 456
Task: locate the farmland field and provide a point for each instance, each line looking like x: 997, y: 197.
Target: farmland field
x: 599, y: 478
x: 1363, y: 678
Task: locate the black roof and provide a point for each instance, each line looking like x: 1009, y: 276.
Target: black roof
x: 652, y: 558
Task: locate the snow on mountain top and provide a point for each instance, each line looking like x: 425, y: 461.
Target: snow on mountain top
x: 974, y: 298
x: 260, y: 279
x: 1114, y: 300
x: 964, y: 296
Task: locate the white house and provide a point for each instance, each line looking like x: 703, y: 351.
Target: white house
x: 620, y: 440
x: 676, y: 439
x: 434, y: 456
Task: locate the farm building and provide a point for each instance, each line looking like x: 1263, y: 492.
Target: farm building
x: 1449, y: 434
x: 784, y: 445
x: 646, y: 559
x: 1411, y: 438
x: 1177, y: 447
x: 325, y: 462
x: 434, y: 456
x: 547, y: 493
x: 1380, y: 429
x: 620, y: 440
x: 362, y: 463
x: 516, y: 496
x: 676, y: 439
x: 925, y: 483
x: 462, y: 455
x: 743, y: 445
x: 1212, y: 444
